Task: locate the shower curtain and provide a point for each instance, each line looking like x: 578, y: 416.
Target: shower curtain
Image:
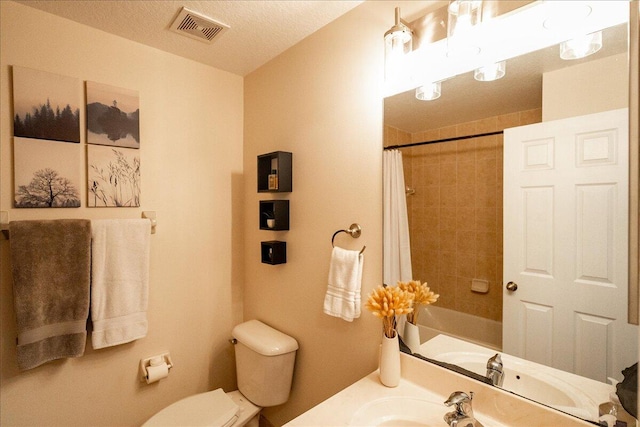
x: 397, y: 248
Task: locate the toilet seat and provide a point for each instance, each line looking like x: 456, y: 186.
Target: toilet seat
x: 213, y: 408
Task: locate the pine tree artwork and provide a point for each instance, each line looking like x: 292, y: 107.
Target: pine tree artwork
x: 46, y: 105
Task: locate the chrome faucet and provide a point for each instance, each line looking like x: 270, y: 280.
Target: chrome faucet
x: 494, y: 370
x: 462, y: 416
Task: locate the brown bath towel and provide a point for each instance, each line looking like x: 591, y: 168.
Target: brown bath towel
x: 51, y: 263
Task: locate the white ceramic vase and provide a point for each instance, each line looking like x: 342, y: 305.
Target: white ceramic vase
x: 411, y: 337
x: 390, y: 361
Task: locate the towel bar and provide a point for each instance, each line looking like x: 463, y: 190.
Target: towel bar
x: 5, y: 227
x: 151, y: 216
x: 354, y: 230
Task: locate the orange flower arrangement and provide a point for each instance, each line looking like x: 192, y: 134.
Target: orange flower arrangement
x: 387, y: 302
x: 422, y: 295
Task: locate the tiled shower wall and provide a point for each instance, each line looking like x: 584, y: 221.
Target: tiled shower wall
x: 455, y: 214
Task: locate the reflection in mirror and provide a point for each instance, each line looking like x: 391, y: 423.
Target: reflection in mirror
x: 524, y: 180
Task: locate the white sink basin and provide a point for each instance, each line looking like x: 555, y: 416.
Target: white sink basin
x: 400, y: 411
x: 567, y: 392
x: 523, y: 380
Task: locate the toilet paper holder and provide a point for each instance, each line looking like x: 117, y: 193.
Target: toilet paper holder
x: 154, y: 361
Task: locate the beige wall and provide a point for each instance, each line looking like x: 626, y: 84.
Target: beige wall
x: 191, y: 160
x: 581, y: 89
x: 323, y: 104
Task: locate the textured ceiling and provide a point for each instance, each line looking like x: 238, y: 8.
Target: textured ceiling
x: 260, y: 30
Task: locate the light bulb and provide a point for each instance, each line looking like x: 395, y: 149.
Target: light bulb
x: 463, y: 16
x: 490, y: 72
x: 428, y: 92
x: 398, y: 44
x: 582, y: 46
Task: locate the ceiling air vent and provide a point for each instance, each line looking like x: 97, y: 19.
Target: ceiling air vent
x: 197, y: 26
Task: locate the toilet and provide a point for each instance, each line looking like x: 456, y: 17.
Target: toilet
x: 264, y: 363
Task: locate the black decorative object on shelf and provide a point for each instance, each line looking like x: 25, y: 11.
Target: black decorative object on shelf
x: 275, y: 172
x: 274, y: 252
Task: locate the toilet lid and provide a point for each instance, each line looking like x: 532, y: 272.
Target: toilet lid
x: 213, y: 408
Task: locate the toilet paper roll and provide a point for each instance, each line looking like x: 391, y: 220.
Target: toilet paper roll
x: 156, y: 373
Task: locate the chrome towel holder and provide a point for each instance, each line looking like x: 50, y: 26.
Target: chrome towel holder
x: 354, y: 231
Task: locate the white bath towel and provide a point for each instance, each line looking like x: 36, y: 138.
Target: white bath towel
x: 345, y: 280
x: 119, y: 280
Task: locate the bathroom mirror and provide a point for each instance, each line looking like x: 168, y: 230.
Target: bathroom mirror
x: 436, y: 175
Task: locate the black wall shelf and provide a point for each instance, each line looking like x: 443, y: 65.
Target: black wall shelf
x: 276, y: 212
x: 274, y: 252
x: 275, y: 175
x: 275, y: 172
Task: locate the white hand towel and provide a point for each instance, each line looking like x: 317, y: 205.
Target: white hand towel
x: 345, y: 280
x: 119, y: 280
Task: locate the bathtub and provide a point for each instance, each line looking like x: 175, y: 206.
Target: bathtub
x: 434, y: 320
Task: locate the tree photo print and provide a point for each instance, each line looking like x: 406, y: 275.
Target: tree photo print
x: 47, y: 174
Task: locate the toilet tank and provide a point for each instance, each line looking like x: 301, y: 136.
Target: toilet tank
x: 264, y: 363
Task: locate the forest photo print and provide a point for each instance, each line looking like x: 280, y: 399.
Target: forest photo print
x: 46, y: 105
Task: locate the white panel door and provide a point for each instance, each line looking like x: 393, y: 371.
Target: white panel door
x: 565, y: 244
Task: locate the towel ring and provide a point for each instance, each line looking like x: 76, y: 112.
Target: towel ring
x: 354, y: 230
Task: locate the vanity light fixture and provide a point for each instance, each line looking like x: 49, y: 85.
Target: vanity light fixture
x: 463, y: 15
x: 398, y: 44
x: 490, y: 72
x: 582, y: 46
x: 429, y: 91
x: 527, y: 29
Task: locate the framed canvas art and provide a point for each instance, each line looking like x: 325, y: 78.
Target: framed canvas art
x: 46, y: 105
x: 113, y: 176
x: 112, y: 116
x: 47, y: 173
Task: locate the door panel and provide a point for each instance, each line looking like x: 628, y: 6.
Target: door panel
x: 565, y: 244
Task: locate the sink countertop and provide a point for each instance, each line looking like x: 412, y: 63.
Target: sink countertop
x: 339, y: 409
x: 424, y: 380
